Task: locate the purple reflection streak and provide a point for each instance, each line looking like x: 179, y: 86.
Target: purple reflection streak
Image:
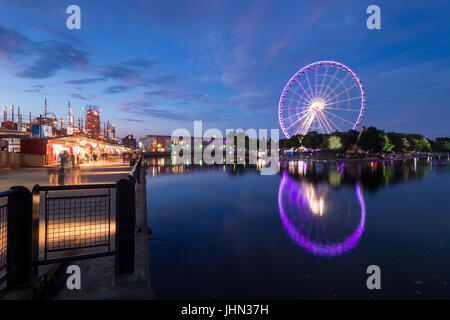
x: 317, y: 248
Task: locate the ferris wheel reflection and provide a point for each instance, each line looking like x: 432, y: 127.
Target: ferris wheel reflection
x: 311, y: 214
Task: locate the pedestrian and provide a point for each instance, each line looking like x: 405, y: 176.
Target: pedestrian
x: 62, y: 160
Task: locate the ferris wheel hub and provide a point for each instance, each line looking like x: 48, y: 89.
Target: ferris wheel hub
x: 317, y: 105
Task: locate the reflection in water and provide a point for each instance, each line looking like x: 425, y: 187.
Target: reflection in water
x: 298, y: 203
x: 61, y: 177
x: 302, y: 229
x: 371, y: 175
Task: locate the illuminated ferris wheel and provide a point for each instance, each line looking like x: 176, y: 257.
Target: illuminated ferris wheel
x: 325, y: 96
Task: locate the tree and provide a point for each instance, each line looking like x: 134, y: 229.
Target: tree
x: 312, y: 140
x: 375, y: 140
x: 334, y: 143
x: 424, y: 145
x: 404, y: 145
x: 442, y: 144
x: 388, y: 146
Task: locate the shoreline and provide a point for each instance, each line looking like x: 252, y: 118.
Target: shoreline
x: 366, y: 159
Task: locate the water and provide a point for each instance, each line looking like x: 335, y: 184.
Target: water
x: 309, y: 232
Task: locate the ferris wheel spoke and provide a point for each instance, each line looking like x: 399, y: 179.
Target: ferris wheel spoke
x: 341, y: 82
x: 341, y: 109
x: 328, y: 120
x: 321, y: 124
x: 296, y: 121
x: 299, y: 95
x: 340, y: 93
x: 304, y: 126
x: 295, y: 101
x: 297, y: 108
x: 326, y: 123
x: 304, y: 90
x: 303, y: 123
x: 322, y: 86
x: 309, y: 83
x: 337, y: 116
x: 315, y: 81
x: 331, y: 81
x: 296, y: 114
x: 349, y: 99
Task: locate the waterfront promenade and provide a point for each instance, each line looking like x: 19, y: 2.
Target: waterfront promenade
x: 94, y: 172
x: 97, y: 275
x: 98, y: 282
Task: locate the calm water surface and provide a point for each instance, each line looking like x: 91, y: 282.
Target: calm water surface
x: 309, y: 232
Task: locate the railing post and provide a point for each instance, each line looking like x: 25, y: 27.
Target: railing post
x: 139, y: 164
x: 20, y: 269
x: 36, y: 221
x: 125, y: 226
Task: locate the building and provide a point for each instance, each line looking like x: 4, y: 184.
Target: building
x: 129, y: 142
x: 92, y: 122
x: 48, y: 150
x: 155, y: 143
x: 158, y: 143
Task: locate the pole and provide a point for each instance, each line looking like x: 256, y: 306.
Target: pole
x: 125, y: 227
x: 40, y: 126
x: 20, y: 269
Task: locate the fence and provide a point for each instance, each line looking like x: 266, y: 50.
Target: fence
x: 3, y: 232
x: 15, y: 159
x: 75, y: 218
x: 32, y: 159
x: 56, y: 224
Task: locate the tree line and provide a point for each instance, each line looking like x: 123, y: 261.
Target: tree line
x: 372, y: 140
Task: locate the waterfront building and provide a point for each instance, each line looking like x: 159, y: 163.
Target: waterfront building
x: 48, y: 151
x: 129, y: 142
x: 92, y: 122
x: 155, y: 143
x: 161, y: 143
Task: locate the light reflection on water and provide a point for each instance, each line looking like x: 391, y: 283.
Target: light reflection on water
x: 299, y: 204
x: 308, y: 232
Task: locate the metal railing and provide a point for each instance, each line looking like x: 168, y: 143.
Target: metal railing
x: 3, y: 232
x: 135, y: 174
x: 75, y: 221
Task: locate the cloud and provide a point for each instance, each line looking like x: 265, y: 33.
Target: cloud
x: 85, y: 81
x: 50, y: 57
x: 133, y: 120
x: 35, y: 89
x: 116, y: 89
x: 44, y: 58
x: 12, y: 43
x: 276, y: 47
x: 150, y: 109
x: 78, y: 96
x: 163, y: 79
x: 139, y: 63
x: 145, y: 108
x: 126, y: 70
x: 176, y: 95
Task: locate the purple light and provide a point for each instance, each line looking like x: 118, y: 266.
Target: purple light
x: 340, y: 169
x: 304, y: 71
x: 326, y: 250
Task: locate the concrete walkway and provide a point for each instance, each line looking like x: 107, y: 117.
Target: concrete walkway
x: 98, y: 172
x: 97, y: 275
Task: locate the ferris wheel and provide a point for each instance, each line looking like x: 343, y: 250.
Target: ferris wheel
x: 324, y: 96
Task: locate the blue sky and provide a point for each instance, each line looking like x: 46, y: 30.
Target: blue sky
x: 153, y: 66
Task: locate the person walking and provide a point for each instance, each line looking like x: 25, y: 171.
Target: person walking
x: 63, y: 160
